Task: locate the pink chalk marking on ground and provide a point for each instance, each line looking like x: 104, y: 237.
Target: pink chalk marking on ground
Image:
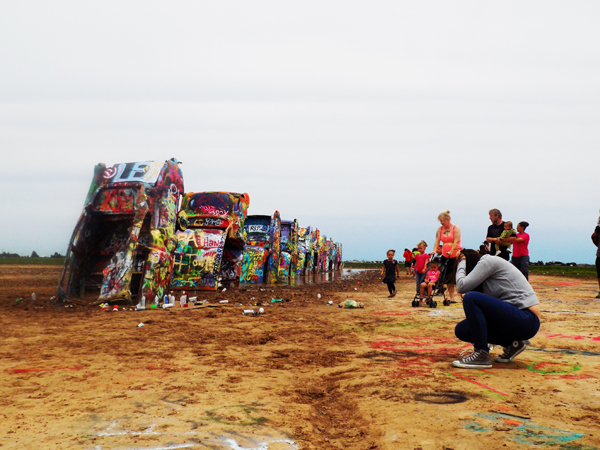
x: 479, y: 384
x: 575, y: 337
x: 562, y: 283
x: 43, y: 369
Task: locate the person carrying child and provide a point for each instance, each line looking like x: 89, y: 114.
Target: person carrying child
x: 390, y: 271
x: 421, y: 260
x: 508, y: 232
x: 431, y: 278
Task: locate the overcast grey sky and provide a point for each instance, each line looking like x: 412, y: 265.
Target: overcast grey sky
x: 364, y: 119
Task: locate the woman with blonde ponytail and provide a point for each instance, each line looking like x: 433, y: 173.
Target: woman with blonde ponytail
x: 448, y: 245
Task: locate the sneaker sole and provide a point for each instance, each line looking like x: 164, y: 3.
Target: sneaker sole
x: 504, y: 360
x: 471, y: 366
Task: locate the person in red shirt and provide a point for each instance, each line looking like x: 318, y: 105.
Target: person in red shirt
x: 407, y: 260
x: 520, y: 256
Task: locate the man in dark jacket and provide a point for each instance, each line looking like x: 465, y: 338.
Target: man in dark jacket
x: 494, y: 231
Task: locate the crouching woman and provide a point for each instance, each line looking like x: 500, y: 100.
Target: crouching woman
x: 500, y: 306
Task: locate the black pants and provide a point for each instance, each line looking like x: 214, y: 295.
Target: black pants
x: 522, y: 263
x: 391, y: 287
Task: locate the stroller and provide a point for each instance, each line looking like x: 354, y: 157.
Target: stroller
x: 437, y: 290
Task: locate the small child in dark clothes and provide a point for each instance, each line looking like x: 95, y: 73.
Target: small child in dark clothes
x: 390, y: 271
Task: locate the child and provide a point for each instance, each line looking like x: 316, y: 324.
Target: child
x: 415, y: 252
x: 407, y: 258
x: 391, y: 270
x: 431, y: 278
x: 509, y: 231
x: 421, y: 261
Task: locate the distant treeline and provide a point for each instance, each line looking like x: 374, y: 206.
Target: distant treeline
x: 33, y: 255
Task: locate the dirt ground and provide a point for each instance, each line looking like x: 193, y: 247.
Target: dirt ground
x: 304, y: 375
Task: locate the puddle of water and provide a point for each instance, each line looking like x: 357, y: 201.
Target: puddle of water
x: 318, y: 278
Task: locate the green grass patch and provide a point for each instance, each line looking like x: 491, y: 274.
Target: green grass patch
x: 41, y: 261
x: 587, y: 271
x: 580, y: 271
x: 362, y: 265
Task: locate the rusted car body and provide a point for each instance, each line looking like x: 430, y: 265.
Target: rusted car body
x: 121, y: 248
x: 210, y: 240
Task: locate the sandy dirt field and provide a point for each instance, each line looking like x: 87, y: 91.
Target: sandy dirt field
x: 302, y: 376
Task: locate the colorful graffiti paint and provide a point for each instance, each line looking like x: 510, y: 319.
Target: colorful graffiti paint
x: 288, y: 260
x: 260, y: 261
x: 210, y: 240
x: 122, y: 244
x: 520, y: 429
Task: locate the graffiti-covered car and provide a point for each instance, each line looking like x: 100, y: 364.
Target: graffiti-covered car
x: 122, y: 244
x: 210, y: 240
x: 338, y: 257
x: 260, y: 262
x: 305, y: 249
x: 288, y: 256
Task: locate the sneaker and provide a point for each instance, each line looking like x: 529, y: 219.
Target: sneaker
x: 598, y: 296
x: 511, y: 352
x: 479, y: 359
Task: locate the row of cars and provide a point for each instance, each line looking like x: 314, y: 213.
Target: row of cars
x: 140, y: 235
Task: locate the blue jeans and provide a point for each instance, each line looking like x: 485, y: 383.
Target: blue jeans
x: 420, y: 278
x: 494, y: 321
x: 522, y: 263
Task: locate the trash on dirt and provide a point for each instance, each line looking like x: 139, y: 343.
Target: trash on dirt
x: 168, y: 305
x: 330, y: 302
x: 223, y: 301
x: 318, y: 295
x: 224, y: 289
x: 142, y: 304
x: 140, y: 325
x: 204, y: 301
x: 18, y: 299
x: 351, y: 304
x: 237, y: 304
x: 276, y: 300
x: 33, y: 297
x: 253, y: 312
x: 115, y: 308
x: 556, y: 289
x: 287, y: 300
